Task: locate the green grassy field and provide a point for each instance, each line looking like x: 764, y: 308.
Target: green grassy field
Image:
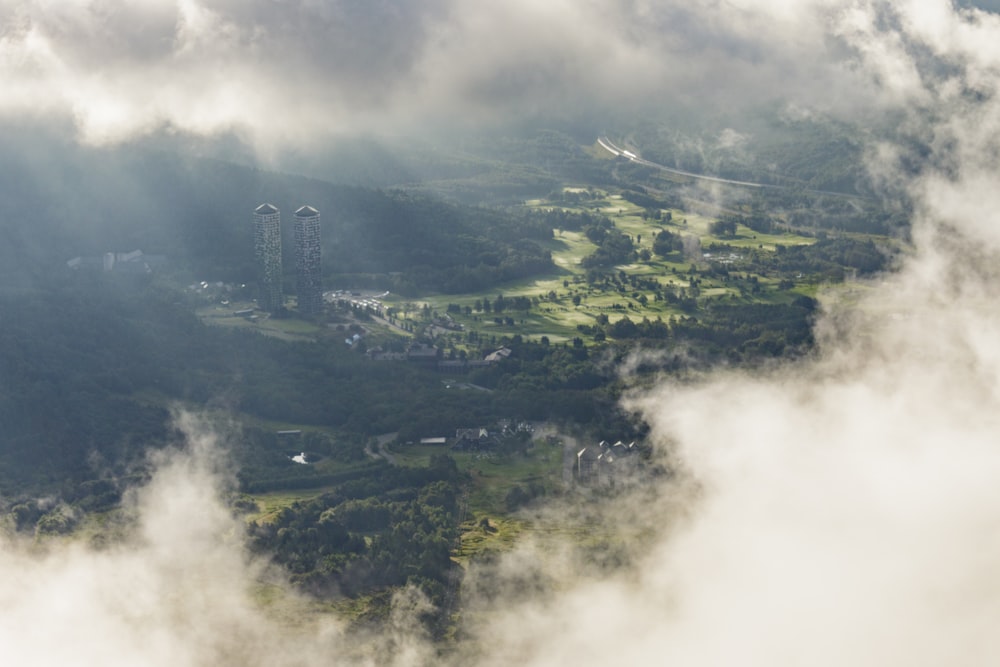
x: 554, y: 313
x: 500, y: 533
x: 563, y: 300
x: 488, y: 524
x: 291, y: 329
x: 270, y: 504
x: 493, y: 476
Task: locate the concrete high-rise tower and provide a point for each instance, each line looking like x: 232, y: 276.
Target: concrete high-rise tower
x: 267, y: 252
x: 307, y: 261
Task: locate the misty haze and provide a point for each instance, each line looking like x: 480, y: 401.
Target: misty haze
x: 443, y: 333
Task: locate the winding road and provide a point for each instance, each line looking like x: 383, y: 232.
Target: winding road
x: 629, y: 155
x: 383, y: 451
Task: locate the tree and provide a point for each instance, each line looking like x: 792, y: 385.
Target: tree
x: 723, y: 227
x: 624, y: 328
x: 665, y: 243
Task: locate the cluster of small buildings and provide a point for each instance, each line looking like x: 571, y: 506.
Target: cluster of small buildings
x: 369, y: 304
x: 135, y: 262
x: 419, y: 352
x: 604, y: 463
x: 267, y: 254
x: 482, y: 439
x: 431, y: 354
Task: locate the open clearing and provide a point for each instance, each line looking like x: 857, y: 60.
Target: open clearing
x: 494, y: 475
x: 565, y: 300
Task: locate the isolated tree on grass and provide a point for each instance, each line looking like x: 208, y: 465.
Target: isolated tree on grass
x: 667, y: 242
x: 723, y: 227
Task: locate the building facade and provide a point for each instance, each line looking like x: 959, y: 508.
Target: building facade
x: 267, y: 253
x: 308, y: 268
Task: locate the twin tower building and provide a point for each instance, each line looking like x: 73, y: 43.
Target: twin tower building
x: 267, y: 252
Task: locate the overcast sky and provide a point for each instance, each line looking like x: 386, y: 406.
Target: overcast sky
x: 302, y: 70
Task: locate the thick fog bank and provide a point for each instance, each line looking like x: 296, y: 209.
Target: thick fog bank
x: 178, y: 588
x: 275, y: 75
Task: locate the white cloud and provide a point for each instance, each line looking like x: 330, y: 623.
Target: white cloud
x: 292, y: 72
x: 179, y: 590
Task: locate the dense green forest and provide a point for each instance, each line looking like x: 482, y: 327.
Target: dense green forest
x: 93, y: 361
x: 396, y: 527
x: 197, y: 212
x: 770, y: 147
x: 430, y: 245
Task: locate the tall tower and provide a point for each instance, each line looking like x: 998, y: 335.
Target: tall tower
x: 267, y: 252
x: 307, y: 261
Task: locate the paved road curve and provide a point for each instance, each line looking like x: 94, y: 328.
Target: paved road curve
x: 629, y: 155
x: 383, y: 451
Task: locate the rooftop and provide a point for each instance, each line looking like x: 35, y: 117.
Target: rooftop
x: 265, y: 209
x: 306, y: 212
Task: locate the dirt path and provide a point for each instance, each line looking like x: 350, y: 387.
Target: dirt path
x: 383, y: 452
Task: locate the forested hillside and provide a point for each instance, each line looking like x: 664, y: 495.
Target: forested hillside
x: 62, y: 200
x: 771, y: 146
